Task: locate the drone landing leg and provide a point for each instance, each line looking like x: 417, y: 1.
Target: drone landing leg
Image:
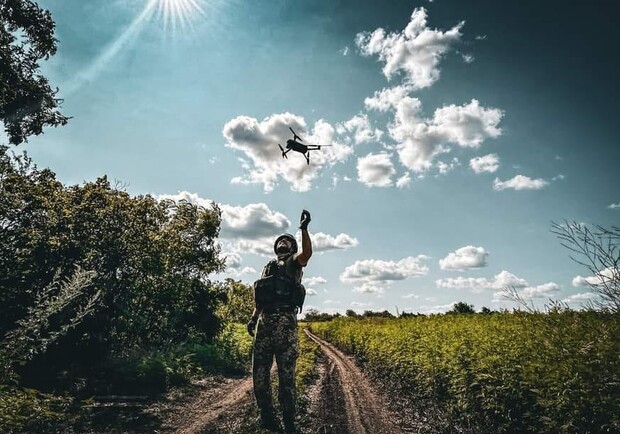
x: 308, y: 158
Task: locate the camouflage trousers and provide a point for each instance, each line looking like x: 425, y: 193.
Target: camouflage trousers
x: 276, y: 335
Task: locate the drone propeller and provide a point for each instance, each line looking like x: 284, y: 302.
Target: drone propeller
x: 283, y: 152
x: 295, y: 136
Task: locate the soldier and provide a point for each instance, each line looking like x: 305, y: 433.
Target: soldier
x: 278, y: 297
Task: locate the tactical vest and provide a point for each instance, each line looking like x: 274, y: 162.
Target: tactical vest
x: 280, y: 285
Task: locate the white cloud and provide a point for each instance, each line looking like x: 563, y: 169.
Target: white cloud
x: 502, y: 280
x: 519, y: 182
x: 361, y: 129
x: 442, y: 308
x: 345, y: 51
x: 323, y: 242
x: 377, y: 270
x: 310, y: 291
x: 603, y: 277
x: 417, y: 50
x: 487, y: 163
x: 388, y: 98
x: 360, y: 304
x: 467, y: 58
x: 411, y: 296
x: 251, y: 221
x: 447, y: 167
x: 581, y: 297
x: 465, y: 258
x: 614, y: 205
x: 367, y: 288
x: 259, y: 142
x: 546, y: 290
x: 559, y: 177
x: 404, y: 181
x: 375, y: 170
x: 420, y: 141
x: 313, y: 281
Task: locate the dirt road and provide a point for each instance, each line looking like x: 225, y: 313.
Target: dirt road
x: 348, y: 402
x: 342, y: 401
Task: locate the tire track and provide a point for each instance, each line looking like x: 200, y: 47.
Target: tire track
x: 366, y: 413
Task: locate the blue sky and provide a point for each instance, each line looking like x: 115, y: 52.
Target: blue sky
x: 459, y: 131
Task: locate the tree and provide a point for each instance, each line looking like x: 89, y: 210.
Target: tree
x: 27, y: 102
x: 596, y: 249
x: 462, y: 308
x: 239, y: 302
x: 152, y: 261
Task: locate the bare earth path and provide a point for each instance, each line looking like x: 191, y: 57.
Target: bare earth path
x: 342, y: 401
x: 346, y: 388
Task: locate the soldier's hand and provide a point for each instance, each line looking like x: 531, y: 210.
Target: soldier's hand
x: 304, y: 220
x: 252, y: 326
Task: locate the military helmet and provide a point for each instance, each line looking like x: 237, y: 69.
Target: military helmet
x: 291, y: 238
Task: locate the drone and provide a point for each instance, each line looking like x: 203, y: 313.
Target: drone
x: 295, y: 144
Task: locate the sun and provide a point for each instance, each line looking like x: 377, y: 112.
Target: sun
x: 179, y: 14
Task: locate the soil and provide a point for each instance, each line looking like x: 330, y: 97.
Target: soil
x: 342, y: 401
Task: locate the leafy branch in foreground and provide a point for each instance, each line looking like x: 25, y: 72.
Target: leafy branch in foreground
x: 58, y: 307
x: 596, y: 249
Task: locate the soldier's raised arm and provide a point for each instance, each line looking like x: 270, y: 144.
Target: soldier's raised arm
x: 306, y: 245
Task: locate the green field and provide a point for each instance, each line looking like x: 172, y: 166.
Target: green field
x: 504, y: 372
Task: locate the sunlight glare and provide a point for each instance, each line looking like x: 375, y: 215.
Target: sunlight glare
x: 179, y: 14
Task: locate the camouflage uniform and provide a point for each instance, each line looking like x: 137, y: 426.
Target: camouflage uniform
x: 276, y: 335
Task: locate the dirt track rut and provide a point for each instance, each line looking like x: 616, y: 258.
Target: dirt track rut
x: 346, y: 388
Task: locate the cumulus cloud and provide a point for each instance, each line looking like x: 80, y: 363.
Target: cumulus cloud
x: 465, y: 258
x: 388, y: 98
x: 502, y: 280
x: 581, y: 297
x: 487, y: 163
x: 404, y: 181
x: 519, y: 182
x: 419, y: 140
x: 603, y: 277
x: 368, y: 288
x: 442, y: 308
x: 313, y: 281
x: 310, y: 291
x: 259, y: 142
x: 614, y: 205
x: 376, y: 271
x: 546, y: 290
x: 322, y: 242
x: 416, y: 50
x: 375, y: 170
x: 359, y: 126
x: 251, y: 221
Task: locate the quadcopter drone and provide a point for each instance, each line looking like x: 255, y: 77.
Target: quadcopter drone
x: 295, y: 144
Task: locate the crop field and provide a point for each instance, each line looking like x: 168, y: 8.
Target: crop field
x: 503, y: 372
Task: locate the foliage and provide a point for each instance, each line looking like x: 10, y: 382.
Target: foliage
x: 461, y: 308
x: 507, y: 372
x: 27, y: 102
x: 52, y: 315
x: 314, y: 315
x: 239, y: 301
x: 152, y: 261
x: 27, y: 410
x: 596, y: 249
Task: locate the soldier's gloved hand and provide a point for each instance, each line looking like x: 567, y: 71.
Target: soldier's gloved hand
x: 305, y: 220
x: 252, y: 326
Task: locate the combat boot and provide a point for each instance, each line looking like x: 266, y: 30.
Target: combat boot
x: 268, y: 421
